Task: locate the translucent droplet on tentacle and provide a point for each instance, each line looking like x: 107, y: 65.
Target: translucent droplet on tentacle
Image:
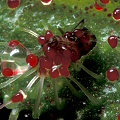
x: 14, y: 57
x: 13, y: 3
x: 10, y: 69
x: 19, y: 97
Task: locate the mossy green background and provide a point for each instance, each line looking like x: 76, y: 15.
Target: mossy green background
x: 66, y: 14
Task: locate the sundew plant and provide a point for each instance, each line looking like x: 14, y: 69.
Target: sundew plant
x: 60, y: 59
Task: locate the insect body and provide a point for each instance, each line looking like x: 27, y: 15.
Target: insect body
x: 81, y: 41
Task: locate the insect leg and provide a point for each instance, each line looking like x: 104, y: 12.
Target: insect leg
x: 61, y: 31
x: 81, y: 22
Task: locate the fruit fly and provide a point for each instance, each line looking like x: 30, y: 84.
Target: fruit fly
x: 81, y: 41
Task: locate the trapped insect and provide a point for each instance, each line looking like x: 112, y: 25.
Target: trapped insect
x: 56, y: 55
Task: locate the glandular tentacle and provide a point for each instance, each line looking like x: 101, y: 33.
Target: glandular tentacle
x: 30, y: 32
x: 3, y: 43
x: 5, y: 104
x: 37, y: 108
x: 55, y: 85
x: 72, y: 88
x: 86, y: 92
x: 14, y: 114
x: 11, y: 80
x: 6, y: 83
x: 27, y: 89
x: 94, y: 75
